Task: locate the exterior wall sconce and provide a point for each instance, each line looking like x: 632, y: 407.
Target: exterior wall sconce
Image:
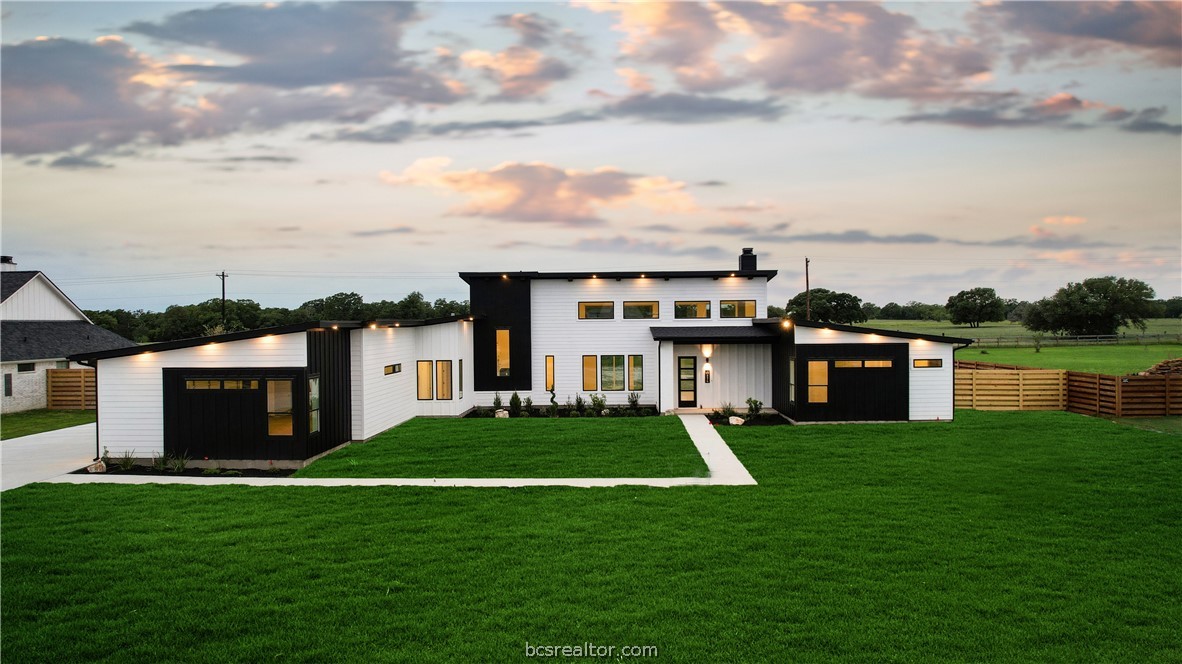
x: 707, y: 351
x: 707, y: 370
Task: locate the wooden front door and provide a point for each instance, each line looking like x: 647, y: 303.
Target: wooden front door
x: 687, y: 382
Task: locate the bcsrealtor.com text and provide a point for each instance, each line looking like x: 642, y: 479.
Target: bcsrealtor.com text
x: 589, y: 650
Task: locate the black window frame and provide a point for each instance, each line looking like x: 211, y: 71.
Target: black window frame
x: 738, y: 303
x: 430, y: 380
x: 450, y: 377
x: 391, y: 369
x: 622, y: 365
x: 656, y: 309
x: 939, y: 363
x: 611, y: 309
x: 20, y: 367
x: 679, y: 303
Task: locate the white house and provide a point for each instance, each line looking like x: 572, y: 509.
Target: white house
x: 686, y: 339
x: 39, y: 328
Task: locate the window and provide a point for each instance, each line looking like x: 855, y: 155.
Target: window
x: 597, y: 310
x: 203, y: 384
x: 847, y: 364
x: 792, y: 380
x: 819, y: 381
x: 636, y: 372
x: 280, y: 416
x: 313, y: 404
x: 736, y: 309
x: 589, y: 377
x: 549, y: 372
x: 461, y: 390
x: 8, y: 385
x: 927, y: 364
x: 443, y: 380
x: 502, y: 353
x: 26, y: 367
x: 391, y: 369
x: 63, y: 364
x: 691, y: 309
x: 424, y: 371
x: 240, y: 384
x: 611, y: 372
x: 878, y: 364
x: 647, y: 310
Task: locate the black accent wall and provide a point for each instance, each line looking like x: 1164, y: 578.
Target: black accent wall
x: 500, y: 303
x: 783, y: 350
x: 860, y: 394
x: 328, y: 356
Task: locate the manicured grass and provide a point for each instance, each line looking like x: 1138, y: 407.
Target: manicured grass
x: 15, y: 425
x: 997, y: 537
x: 1154, y: 326
x: 1116, y: 360
x: 536, y: 447
x: 1170, y: 425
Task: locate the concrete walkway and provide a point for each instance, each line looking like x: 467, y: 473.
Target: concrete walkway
x: 41, y: 456
x: 725, y: 470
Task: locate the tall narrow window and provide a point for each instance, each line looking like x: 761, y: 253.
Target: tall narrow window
x: 611, y: 371
x: 791, y: 380
x: 636, y: 372
x: 313, y: 404
x: 424, y: 379
x: 443, y: 380
x: 736, y: 309
x: 280, y: 414
x: 549, y: 372
x: 461, y: 379
x: 502, y: 352
x: 647, y: 310
x: 691, y: 309
x: 590, y: 383
x: 819, y: 381
x: 600, y: 310
x: 7, y: 385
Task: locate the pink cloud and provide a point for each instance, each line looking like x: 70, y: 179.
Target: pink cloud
x: 1064, y: 220
x: 520, y: 71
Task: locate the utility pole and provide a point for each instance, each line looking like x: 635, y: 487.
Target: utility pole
x: 808, y: 296
x: 222, y: 275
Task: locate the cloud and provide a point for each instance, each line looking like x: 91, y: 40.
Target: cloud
x: 539, y: 192
x: 749, y: 207
x: 520, y: 71
x: 396, y: 230
x: 661, y: 228
x: 1152, y: 30
x: 1064, y: 220
x: 1148, y: 121
x: 626, y: 245
x: 74, y: 162
x: 860, y: 237
x: 537, y: 31
x: 731, y: 228
x: 677, y: 108
x: 265, y: 158
x: 711, y: 183
x: 1064, y: 103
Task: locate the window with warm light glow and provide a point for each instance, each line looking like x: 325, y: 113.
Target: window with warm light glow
x: 597, y: 310
x: 879, y: 364
x: 460, y: 375
x: 443, y: 380
x: 503, y: 352
x: 818, y: 381
x: 847, y: 364
x: 927, y: 364
x: 641, y: 310
x: 280, y: 414
x: 203, y: 384
x: 792, y: 380
x: 691, y: 309
x: 611, y: 372
x: 636, y: 372
x: 590, y: 378
x: 424, y: 380
x: 240, y: 385
x: 549, y: 372
x: 314, y: 404
x: 736, y: 309
x: 391, y: 369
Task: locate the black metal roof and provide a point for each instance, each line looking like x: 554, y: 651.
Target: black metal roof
x: 636, y: 274
x: 22, y: 340
x: 715, y: 334
x: 11, y: 282
x: 940, y: 338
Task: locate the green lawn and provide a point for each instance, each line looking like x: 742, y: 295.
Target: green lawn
x: 15, y: 425
x: 1117, y: 360
x: 997, y: 537
x: 1154, y: 326
x: 535, y: 447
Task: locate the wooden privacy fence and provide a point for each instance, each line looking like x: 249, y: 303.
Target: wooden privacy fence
x: 987, y: 386
x: 70, y: 389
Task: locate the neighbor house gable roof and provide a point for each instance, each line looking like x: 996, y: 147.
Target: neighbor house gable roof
x: 11, y: 282
x: 23, y: 340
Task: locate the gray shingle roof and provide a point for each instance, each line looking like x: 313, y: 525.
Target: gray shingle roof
x: 48, y: 339
x: 11, y: 282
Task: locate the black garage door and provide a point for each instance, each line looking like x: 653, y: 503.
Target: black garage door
x: 851, y: 382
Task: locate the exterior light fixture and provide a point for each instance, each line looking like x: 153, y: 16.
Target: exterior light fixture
x: 504, y: 276
x: 334, y: 327
x: 707, y: 370
x: 707, y: 351
x: 373, y: 326
x: 787, y: 324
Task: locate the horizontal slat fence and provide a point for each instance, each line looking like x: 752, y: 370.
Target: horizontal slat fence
x: 70, y: 389
x: 988, y: 386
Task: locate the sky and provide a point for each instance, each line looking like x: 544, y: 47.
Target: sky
x: 910, y: 151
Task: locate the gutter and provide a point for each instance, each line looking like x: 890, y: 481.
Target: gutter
x: 93, y: 364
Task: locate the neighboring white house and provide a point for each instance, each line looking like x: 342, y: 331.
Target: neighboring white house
x: 687, y: 339
x: 39, y: 328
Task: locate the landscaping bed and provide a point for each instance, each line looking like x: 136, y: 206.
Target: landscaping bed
x: 193, y: 472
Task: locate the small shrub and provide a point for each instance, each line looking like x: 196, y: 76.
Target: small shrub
x: 233, y: 473
x: 527, y: 404
x: 212, y: 471
x: 553, y: 405
x: 126, y: 460
x: 515, y: 405
x: 159, y: 462
x: 634, y: 401
x: 753, y: 407
x: 580, y: 404
x: 497, y: 403
x: 573, y: 413
x: 481, y: 411
x: 178, y: 463
x: 726, y: 410
x: 598, y: 403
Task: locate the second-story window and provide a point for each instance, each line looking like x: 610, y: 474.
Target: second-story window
x: 640, y: 310
x: 736, y: 309
x: 597, y: 310
x: 691, y: 309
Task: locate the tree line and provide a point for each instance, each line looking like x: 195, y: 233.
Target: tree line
x: 1100, y: 305
x: 185, y: 321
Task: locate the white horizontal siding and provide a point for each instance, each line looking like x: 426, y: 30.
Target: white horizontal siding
x: 38, y: 300
x: 930, y: 391
x: 131, y: 388
x: 557, y: 330
x: 452, y: 342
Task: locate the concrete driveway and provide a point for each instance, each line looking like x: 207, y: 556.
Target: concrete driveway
x: 41, y: 456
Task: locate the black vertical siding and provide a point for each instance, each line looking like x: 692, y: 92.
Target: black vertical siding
x: 855, y: 394
x: 783, y: 350
x: 328, y: 357
x: 501, y: 303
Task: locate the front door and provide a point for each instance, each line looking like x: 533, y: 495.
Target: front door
x: 687, y: 382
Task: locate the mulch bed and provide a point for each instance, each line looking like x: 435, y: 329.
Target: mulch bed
x: 758, y: 421
x: 192, y: 472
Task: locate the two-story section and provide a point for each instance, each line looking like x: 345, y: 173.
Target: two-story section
x: 676, y: 339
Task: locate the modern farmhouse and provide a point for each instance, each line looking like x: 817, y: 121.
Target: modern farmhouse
x: 687, y: 339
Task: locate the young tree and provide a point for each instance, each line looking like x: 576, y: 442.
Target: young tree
x: 1100, y: 305
x: 827, y: 306
x: 976, y: 306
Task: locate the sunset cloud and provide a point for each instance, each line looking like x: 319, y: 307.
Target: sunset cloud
x: 539, y: 192
x: 1064, y: 220
x: 519, y: 71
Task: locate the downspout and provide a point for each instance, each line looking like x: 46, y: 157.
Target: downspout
x: 93, y: 364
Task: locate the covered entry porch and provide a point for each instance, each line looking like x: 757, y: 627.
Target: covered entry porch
x: 705, y: 367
